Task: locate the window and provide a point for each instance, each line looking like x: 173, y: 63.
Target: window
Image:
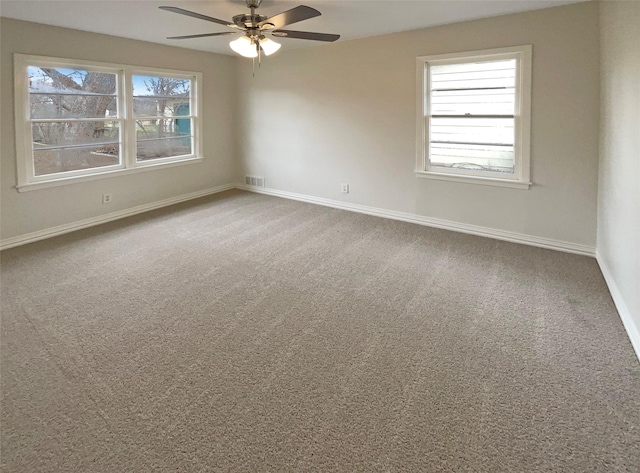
x: 474, y: 115
x: 77, y: 120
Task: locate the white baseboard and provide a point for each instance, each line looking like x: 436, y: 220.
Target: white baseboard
x: 433, y: 222
x: 90, y: 222
x: 378, y: 212
x: 633, y: 331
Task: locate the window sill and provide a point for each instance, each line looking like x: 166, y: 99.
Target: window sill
x: 487, y: 181
x: 32, y: 186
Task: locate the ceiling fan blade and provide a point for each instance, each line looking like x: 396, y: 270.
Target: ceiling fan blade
x: 200, y: 35
x: 289, y: 17
x: 181, y: 11
x: 305, y: 35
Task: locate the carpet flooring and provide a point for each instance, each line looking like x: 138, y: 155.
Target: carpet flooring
x: 244, y: 332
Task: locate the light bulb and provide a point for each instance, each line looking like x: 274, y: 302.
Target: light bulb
x: 244, y: 47
x: 268, y: 46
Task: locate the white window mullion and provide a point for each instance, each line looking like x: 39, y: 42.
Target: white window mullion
x: 129, y: 146
x: 196, y: 111
x: 24, y: 141
x: 523, y: 112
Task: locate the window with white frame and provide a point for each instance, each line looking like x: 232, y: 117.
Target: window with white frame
x: 473, y: 120
x: 80, y: 120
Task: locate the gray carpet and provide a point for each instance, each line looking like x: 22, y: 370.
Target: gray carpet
x: 244, y: 332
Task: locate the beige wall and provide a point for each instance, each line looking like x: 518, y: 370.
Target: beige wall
x: 619, y: 183
x: 27, y: 212
x: 345, y: 112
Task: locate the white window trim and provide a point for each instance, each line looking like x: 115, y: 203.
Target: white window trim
x: 520, y: 179
x: 27, y: 181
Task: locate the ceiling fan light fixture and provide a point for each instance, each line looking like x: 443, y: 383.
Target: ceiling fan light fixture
x: 244, y: 46
x: 268, y: 46
x: 253, y: 42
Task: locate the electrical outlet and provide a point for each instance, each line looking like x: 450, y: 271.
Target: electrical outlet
x: 106, y: 198
x: 344, y: 188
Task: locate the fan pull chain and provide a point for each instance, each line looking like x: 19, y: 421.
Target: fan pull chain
x: 259, y: 52
x: 253, y: 59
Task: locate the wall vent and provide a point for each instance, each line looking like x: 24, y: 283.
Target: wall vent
x: 254, y: 181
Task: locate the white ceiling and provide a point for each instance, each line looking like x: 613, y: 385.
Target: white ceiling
x: 141, y: 19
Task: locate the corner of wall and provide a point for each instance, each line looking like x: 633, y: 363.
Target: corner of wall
x: 618, y: 197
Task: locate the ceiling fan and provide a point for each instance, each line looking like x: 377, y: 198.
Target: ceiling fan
x: 253, y: 42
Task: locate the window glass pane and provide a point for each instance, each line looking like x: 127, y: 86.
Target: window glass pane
x: 472, y: 157
x: 497, y: 131
x: 65, y: 134
x: 71, y: 93
x: 482, y: 144
x: 474, y: 75
x: 156, y: 107
x: 72, y: 106
x: 163, y: 138
x: 55, y: 160
x: 70, y: 146
x: 163, y: 148
x: 474, y: 102
x: 484, y: 88
x: 161, y: 96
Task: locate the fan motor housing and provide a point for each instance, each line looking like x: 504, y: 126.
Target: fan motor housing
x: 248, y: 21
